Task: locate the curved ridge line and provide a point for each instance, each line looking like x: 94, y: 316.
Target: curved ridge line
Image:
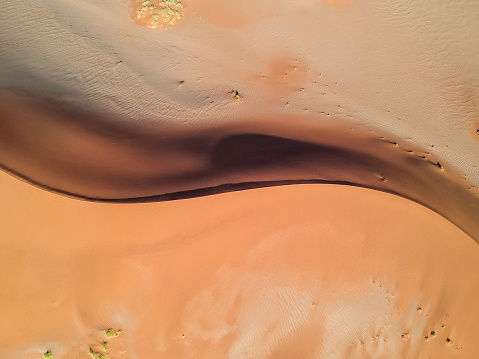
x: 214, y: 190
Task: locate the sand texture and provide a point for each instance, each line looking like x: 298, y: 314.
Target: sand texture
x: 311, y: 271
x: 253, y: 179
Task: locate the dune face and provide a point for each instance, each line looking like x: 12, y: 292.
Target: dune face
x: 316, y: 271
x: 239, y: 180
x: 96, y: 157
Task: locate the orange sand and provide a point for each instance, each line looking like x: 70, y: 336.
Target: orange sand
x: 296, y: 271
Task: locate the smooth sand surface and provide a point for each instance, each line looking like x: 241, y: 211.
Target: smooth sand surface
x: 310, y: 167
x: 310, y: 271
x: 96, y: 157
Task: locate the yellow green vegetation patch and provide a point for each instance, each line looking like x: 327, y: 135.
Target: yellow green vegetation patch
x: 157, y: 14
x: 111, y: 333
x: 97, y: 355
x: 170, y: 14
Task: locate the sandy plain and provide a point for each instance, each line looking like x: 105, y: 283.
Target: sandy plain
x: 239, y: 180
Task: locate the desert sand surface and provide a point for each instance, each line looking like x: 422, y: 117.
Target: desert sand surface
x: 88, y: 156
x: 310, y: 271
x: 254, y: 179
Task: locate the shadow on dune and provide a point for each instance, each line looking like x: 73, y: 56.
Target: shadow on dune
x: 253, y: 152
x: 103, y: 158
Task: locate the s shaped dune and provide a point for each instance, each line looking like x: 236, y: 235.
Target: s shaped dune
x: 254, y: 179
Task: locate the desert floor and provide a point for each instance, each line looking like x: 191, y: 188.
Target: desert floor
x: 259, y: 179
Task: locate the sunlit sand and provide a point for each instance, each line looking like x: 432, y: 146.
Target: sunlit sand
x: 253, y: 179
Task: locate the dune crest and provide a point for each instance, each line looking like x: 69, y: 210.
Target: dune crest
x: 99, y: 157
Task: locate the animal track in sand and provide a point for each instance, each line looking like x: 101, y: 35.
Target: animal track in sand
x: 433, y: 334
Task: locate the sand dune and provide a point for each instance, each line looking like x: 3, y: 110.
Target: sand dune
x: 317, y: 271
x: 273, y: 179
x: 92, y: 156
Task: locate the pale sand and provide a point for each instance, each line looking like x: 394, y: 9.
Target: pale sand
x: 310, y: 271
x: 231, y: 96
x: 409, y: 69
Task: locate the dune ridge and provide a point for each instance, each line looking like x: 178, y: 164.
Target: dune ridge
x: 254, y: 179
x: 96, y: 157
